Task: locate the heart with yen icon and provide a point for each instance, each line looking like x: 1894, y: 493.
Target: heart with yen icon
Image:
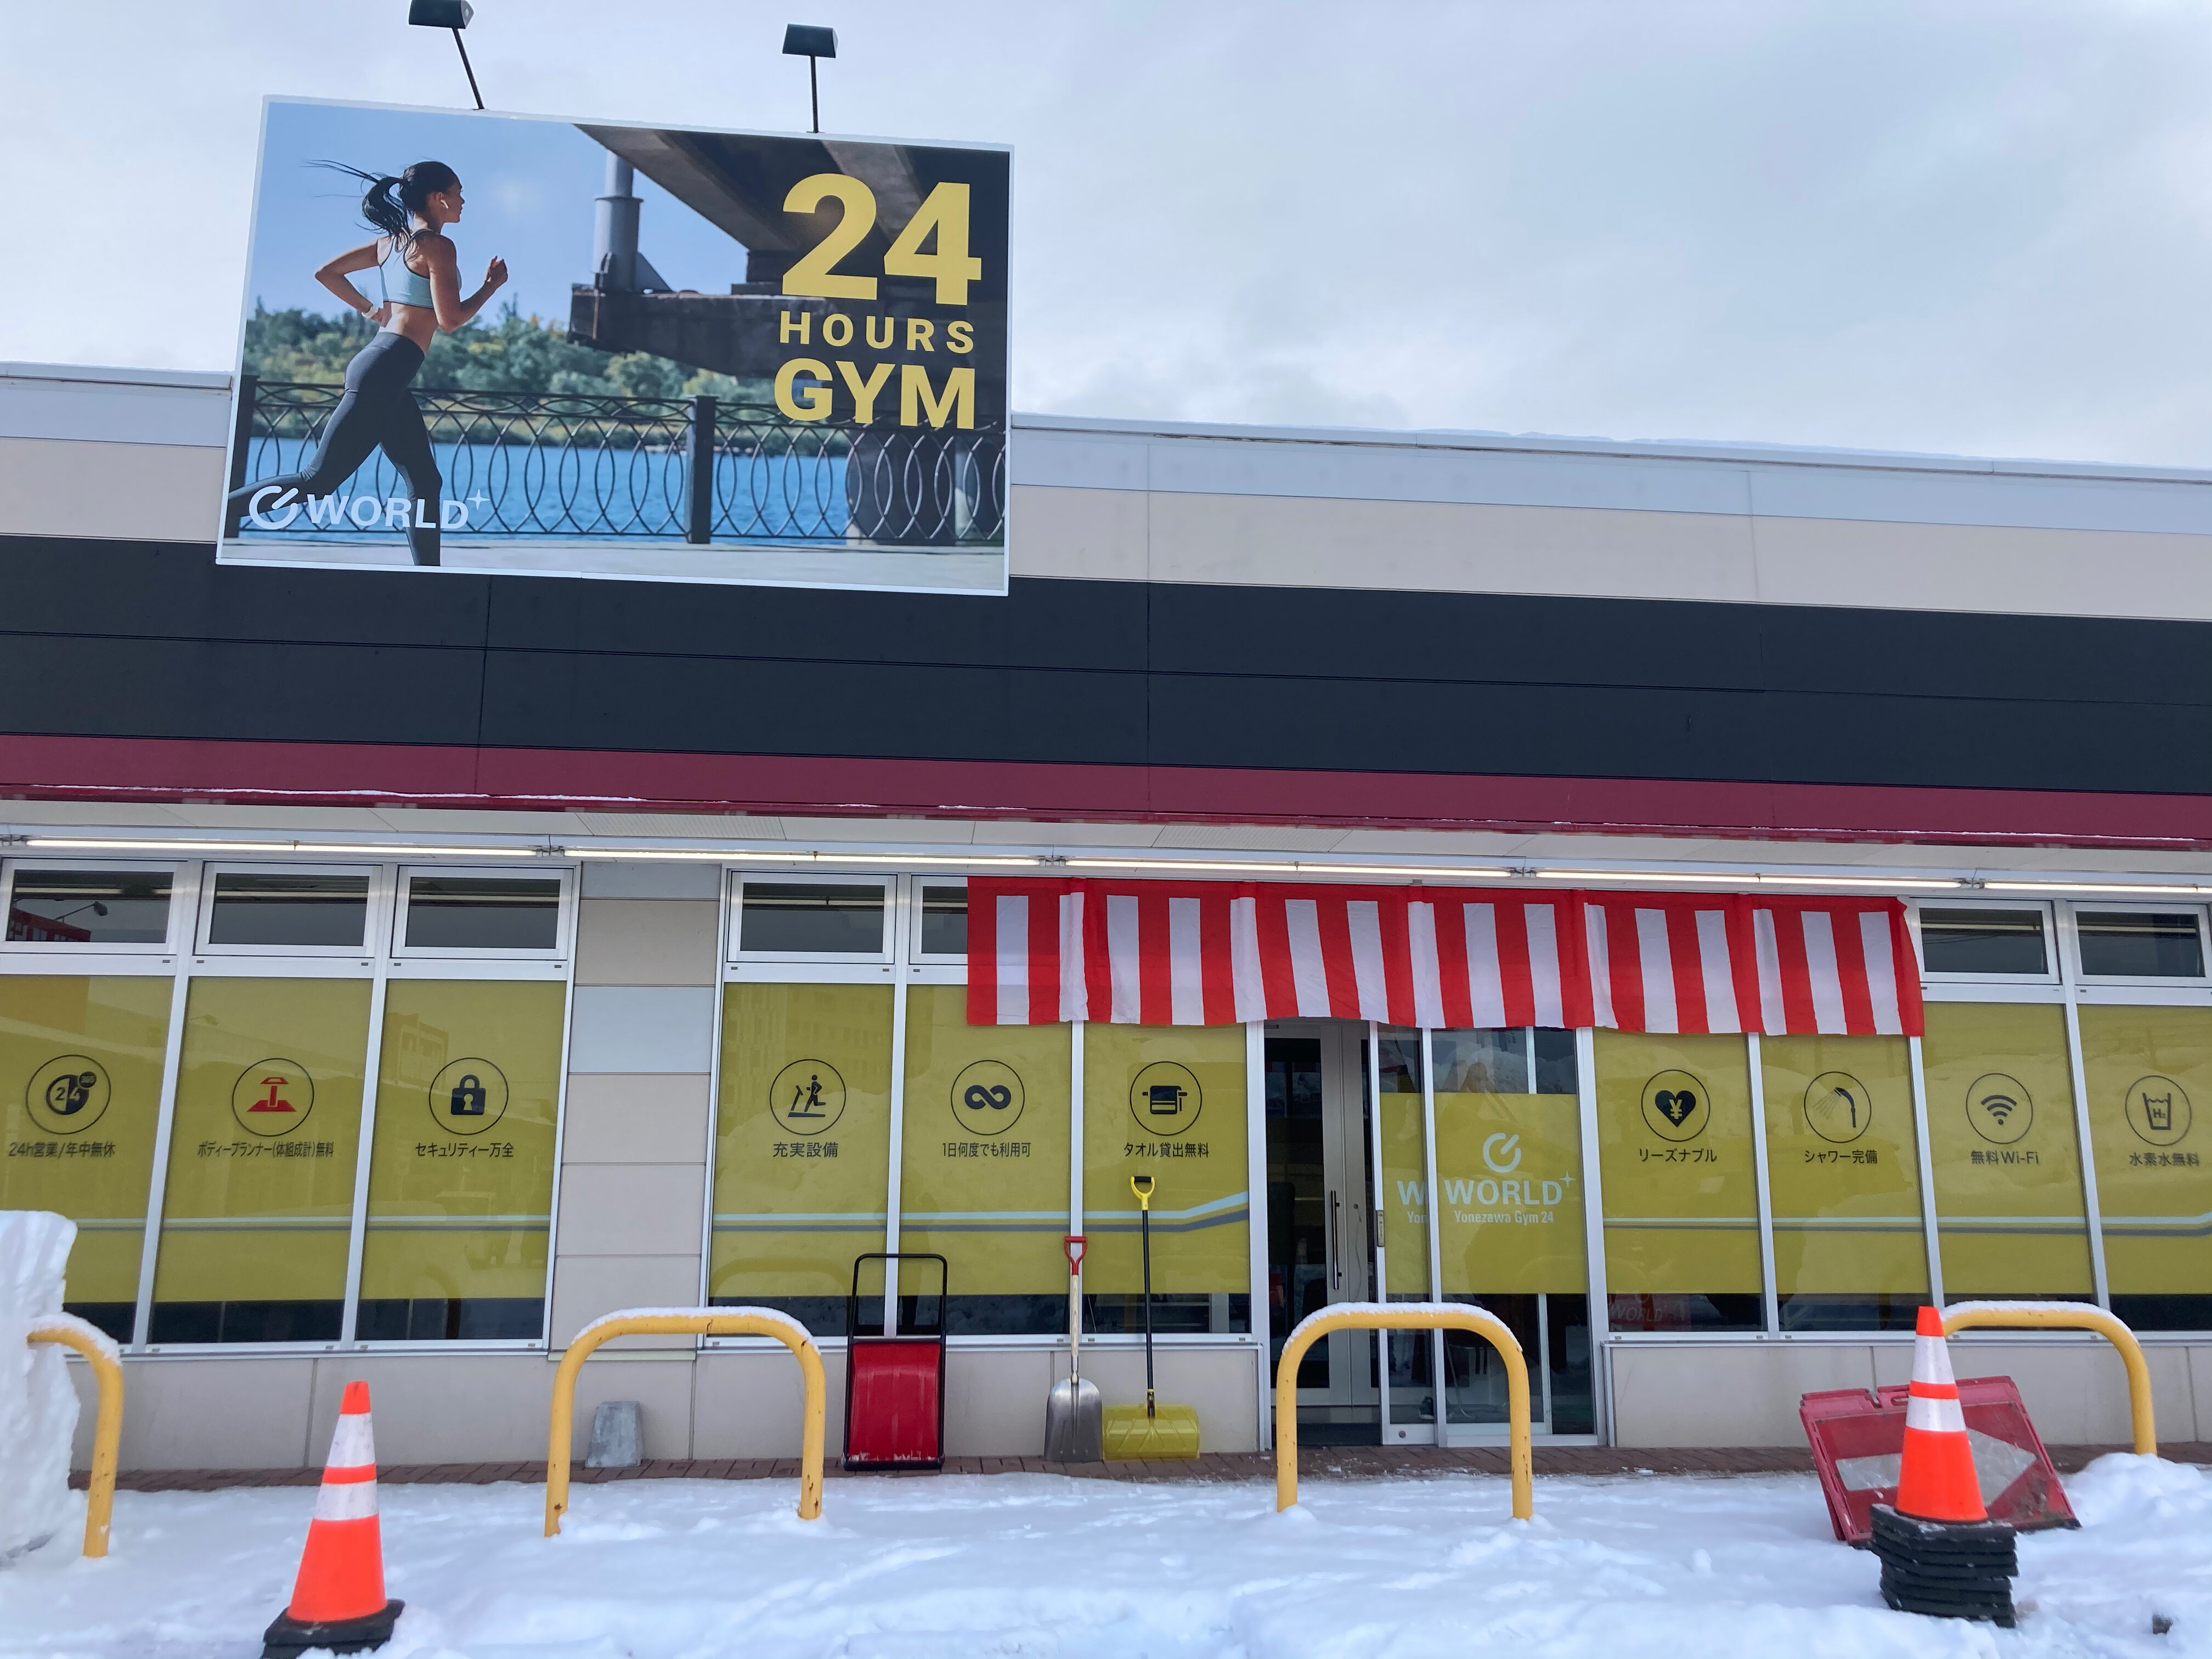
x: 1675, y: 1105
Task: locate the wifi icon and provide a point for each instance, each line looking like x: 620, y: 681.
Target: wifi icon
x: 1999, y: 1108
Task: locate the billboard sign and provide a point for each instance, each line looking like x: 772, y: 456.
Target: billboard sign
x: 516, y: 345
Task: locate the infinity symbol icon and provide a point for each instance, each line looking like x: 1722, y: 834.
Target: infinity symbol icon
x: 978, y: 1098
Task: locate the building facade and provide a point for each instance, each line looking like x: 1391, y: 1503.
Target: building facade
x: 1746, y: 893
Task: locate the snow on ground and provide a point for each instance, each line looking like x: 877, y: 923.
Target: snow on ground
x: 1043, y: 1567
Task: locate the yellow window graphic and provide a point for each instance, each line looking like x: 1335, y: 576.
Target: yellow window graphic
x: 460, y: 1180
x: 1509, y: 1171
x: 258, y: 1203
x: 80, y: 1087
x: 802, y: 1144
x: 985, y: 1162
x: 2149, y: 1077
x: 1681, y: 1205
x: 2007, y: 1163
x: 1167, y: 1102
x: 1844, y: 1178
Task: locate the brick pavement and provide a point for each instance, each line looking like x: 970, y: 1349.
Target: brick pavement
x: 1319, y: 1462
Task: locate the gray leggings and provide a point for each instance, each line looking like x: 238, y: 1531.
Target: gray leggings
x: 378, y: 411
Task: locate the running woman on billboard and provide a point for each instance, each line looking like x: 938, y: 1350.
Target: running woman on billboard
x: 418, y: 271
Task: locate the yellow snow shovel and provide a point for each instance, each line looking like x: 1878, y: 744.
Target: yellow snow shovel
x: 1156, y: 1431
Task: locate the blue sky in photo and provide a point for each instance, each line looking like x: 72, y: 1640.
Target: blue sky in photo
x: 529, y: 185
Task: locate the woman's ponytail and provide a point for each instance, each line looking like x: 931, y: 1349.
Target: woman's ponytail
x: 392, y: 201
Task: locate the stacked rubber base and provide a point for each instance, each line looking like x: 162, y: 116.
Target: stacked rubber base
x: 1950, y: 1569
x: 288, y: 1637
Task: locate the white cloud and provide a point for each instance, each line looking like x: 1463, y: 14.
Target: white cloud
x: 1978, y: 227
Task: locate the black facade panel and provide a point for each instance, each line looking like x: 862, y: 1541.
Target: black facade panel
x: 54, y: 685
x: 699, y: 705
x: 165, y: 590
x: 132, y: 640
x: 1076, y: 625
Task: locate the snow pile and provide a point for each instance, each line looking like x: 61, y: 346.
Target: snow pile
x: 38, y: 1406
x: 1043, y: 1567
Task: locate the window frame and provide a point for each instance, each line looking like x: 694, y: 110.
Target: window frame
x: 375, y: 906
x: 183, y: 897
x: 2070, y: 925
x: 404, y: 956
x: 2054, y: 954
x: 916, y: 956
x: 881, y: 960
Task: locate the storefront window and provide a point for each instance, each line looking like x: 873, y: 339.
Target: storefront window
x: 1405, y: 1217
x: 81, y: 1069
x: 1510, y: 1226
x: 88, y: 907
x: 289, y: 910
x: 2149, y: 1077
x: 482, y: 913
x: 1167, y: 1102
x: 802, y: 1147
x: 258, y: 1203
x: 985, y: 1163
x: 1982, y: 942
x: 2140, y: 943
x: 943, y: 922
x: 1681, y: 1203
x: 1850, y: 1250
x: 812, y: 918
x: 460, y: 1180
x: 2007, y: 1173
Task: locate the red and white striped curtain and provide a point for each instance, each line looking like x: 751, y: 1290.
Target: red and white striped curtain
x: 1217, y: 953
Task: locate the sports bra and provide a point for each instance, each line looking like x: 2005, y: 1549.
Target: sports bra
x: 410, y: 288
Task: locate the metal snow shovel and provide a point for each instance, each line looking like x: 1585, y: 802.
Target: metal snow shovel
x: 1158, y: 1431
x: 1072, y: 1433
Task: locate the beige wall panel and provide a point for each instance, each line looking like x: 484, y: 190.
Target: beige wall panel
x: 1095, y: 534
x: 56, y: 486
x: 660, y: 1385
x: 627, y: 1117
x: 1981, y: 568
x: 995, y: 1401
x: 1220, y: 1383
x: 1665, y: 1395
x: 215, y: 1413
x: 645, y: 941
x: 1450, y: 547
x: 585, y: 1287
x: 631, y: 1209
x: 2076, y: 1392
x: 440, y: 1408
x: 750, y: 1403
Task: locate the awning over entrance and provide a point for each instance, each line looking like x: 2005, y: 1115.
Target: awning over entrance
x: 1218, y: 953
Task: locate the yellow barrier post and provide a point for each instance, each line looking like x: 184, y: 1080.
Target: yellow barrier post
x: 2070, y: 1315
x: 107, y: 1427
x: 1394, y: 1317
x: 704, y: 1322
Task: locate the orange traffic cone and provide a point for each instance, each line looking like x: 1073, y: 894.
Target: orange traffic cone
x: 1937, y: 1482
x: 338, y: 1601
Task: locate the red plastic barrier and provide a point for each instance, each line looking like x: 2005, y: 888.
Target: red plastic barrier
x: 1858, y: 1438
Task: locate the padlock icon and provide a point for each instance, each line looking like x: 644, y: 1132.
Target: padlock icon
x: 467, y: 1099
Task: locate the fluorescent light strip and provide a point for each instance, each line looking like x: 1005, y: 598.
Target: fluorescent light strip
x: 1948, y: 885
x: 1228, y: 867
x: 2148, y: 890
x: 262, y: 848
x: 877, y: 860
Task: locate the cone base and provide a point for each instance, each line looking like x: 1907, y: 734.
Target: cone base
x: 288, y: 1637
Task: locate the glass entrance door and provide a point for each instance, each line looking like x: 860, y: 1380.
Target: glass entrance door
x: 1320, y: 1226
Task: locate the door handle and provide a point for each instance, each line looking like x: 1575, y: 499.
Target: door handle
x: 1335, y: 1242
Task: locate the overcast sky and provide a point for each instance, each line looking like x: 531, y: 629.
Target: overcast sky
x: 1973, y: 228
